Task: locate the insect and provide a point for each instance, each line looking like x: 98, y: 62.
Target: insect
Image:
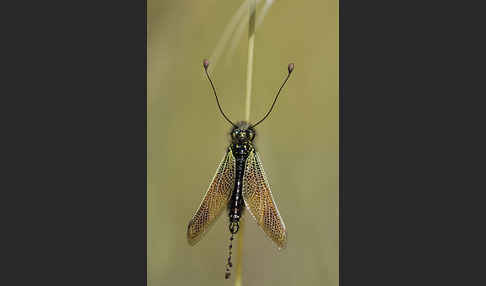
x: 239, y: 182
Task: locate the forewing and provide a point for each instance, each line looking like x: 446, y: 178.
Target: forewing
x: 259, y: 201
x: 215, y: 199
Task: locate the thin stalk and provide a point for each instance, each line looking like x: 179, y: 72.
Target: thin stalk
x: 251, y: 46
x: 249, y: 76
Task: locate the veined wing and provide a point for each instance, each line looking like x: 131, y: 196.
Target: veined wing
x: 259, y: 201
x: 215, y: 199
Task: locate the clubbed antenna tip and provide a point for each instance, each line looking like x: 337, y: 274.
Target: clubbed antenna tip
x: 291, y: 68
x: 206, y: 65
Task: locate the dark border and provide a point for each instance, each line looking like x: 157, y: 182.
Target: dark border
x: 75, y: 128
x: 410, y: 76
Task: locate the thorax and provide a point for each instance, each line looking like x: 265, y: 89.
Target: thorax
x: 241, y: 151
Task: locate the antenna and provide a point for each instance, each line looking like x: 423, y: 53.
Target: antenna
x: 206, y: 65
x: 290, y: 69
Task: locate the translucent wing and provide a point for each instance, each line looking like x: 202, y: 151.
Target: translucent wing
x: 259, y: 201
x: 215, y: 199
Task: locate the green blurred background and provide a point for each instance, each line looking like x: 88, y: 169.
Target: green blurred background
x: 298, y: 143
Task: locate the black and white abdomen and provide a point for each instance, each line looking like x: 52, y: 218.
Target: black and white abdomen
x: 236, y: 204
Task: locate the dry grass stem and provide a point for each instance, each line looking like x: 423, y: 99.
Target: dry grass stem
x: 251, y: 46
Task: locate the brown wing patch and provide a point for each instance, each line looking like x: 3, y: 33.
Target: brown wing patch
x: 259, y: 201
x: 215, y: 199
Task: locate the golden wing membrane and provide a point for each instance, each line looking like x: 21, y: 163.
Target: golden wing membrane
x: 259, y: 201
x: 215, y: 199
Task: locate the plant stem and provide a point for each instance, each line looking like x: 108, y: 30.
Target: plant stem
x: 249, y: 76
x: 251, y: 46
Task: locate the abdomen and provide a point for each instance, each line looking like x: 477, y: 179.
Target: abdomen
x: 236, y: 203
